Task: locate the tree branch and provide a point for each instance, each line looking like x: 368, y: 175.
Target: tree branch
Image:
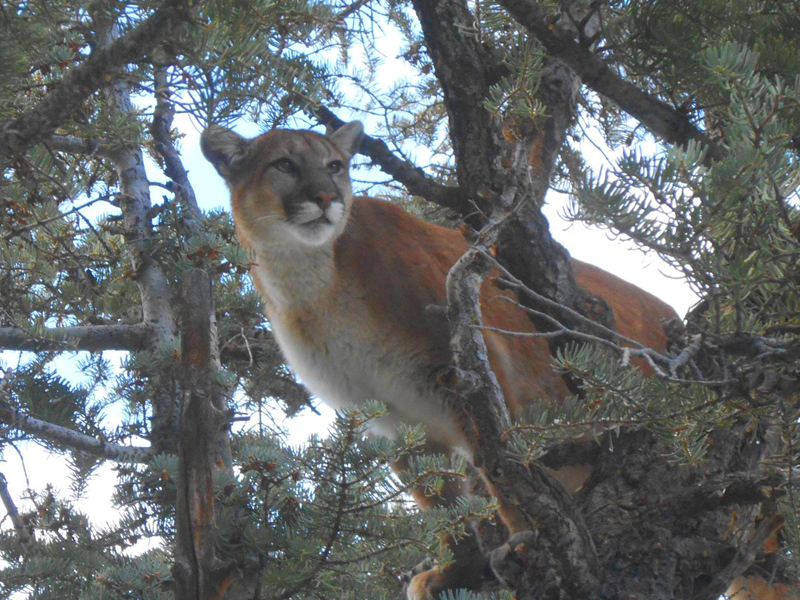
x: 23, y: 535
x: 663, y: 120
x: 93, y: 338
x: 531, y: 503
x: 203, y: 449
x: 466, y: 71
x: 151, y: 279
x: 70, y: 439
x: 36, y: 125
x: 173, y: 165
x: 78, y: 145
x: 412, y: 177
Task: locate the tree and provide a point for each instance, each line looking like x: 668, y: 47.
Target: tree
x: 693, y: 483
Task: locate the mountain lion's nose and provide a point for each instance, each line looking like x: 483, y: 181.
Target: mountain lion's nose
x: 324, y: 199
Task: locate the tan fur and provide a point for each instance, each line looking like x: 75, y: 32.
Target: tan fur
x: 352, y: 301
x: 755, y: 588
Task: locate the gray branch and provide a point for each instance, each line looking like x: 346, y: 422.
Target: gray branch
x: 77, y: 145
x: 23, y: 535
x: 151, y: 279
x: 70, y: 439
x: 92, y: 338
x: 660, y: 118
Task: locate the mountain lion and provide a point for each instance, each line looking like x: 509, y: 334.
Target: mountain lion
x: 347, y: 282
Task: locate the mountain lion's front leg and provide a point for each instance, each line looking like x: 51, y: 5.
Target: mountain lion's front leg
x: 469, y: 566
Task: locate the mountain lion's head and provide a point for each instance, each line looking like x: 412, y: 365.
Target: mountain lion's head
x: 287, y: 187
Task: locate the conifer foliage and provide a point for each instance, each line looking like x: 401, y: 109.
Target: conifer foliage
x: 474, y: 110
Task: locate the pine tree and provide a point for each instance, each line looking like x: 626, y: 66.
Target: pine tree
x: 694, y: 485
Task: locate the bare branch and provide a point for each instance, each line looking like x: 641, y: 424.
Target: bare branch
x: 80, y: 83
x: 173, y: 165
x: 91, y: 338
x: 23, y: 535
x: 69, y: 439
x: 530, y: 497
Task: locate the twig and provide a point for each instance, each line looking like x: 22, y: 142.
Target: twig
x: 39, y: 223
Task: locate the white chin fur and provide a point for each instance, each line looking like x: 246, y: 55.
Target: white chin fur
x: 307, y: 230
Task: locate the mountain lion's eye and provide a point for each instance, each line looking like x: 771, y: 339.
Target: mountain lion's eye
x: 335, y: 166
x: 284, y: 165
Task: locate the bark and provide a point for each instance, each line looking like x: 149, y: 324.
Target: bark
x: 80, y: 83
x: 199, y: 572
x: 664, y: 530
x: 91, y: 338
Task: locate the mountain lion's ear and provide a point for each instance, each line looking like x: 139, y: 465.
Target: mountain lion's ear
x: 223, y: 148
x: 348, y: 137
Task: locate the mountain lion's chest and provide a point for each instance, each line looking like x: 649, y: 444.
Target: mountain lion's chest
x: 346, y: 357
